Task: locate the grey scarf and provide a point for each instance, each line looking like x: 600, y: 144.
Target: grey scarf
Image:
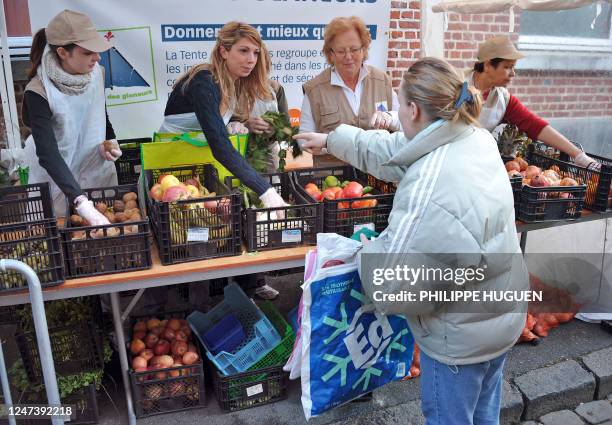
x: 66, y: 83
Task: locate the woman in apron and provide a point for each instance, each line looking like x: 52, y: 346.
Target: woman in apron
x: 491, y: 74
x: 205, y: 99
x: 64, y: 106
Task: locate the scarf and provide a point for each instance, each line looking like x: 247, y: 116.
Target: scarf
x: 66, y: 83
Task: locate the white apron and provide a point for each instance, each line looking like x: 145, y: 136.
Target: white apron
x: 259, y: 108
x: 79, y: 124
x: 494, y: 108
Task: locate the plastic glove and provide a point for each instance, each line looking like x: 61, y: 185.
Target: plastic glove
x: 583, y: 160
x: 236, y: 127
x: 271, y: 199
x: 85, y: 208
x: 315, y: 143
x: 110, y: 150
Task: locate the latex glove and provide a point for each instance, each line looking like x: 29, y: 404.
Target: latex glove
x: 85, y: 208
x: 583, y: 160
x: 236, y: 127
x: 382, y: 120
x: 271, y: 199
x: 110, y: 150
x: 258, y: 126
x: 315, y: 143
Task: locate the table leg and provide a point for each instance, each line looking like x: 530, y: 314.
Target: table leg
x: 122, y: 355
x: 523, y: 242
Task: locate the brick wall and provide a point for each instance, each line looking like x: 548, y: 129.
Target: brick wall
x: 550, y: 94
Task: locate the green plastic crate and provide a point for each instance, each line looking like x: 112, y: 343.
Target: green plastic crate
x: 283, y: 350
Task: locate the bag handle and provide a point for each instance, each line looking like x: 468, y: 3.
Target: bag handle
x: 185, y: 137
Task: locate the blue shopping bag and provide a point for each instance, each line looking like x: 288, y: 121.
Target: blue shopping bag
x: 348, y: 348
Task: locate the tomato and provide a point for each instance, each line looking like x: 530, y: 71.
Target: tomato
x: 336, y: 190
x: 313, y: 191
x: 329, y: 194
x: 352, y: 190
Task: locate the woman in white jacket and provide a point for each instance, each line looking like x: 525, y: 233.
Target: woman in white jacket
x: 452, y: 209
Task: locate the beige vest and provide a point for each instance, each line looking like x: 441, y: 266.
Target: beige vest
x: 330, y: 108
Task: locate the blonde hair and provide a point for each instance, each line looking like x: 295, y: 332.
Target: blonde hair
x: 435, y: 86
x: 340, y: 25
x: 247, y: 89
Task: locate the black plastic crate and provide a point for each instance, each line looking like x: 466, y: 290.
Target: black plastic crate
x: 250, y: 389
x: 38, y: 245
x: 346, y: 216
x: 167, y: 390
x: 112, y: 248
x: 128, y: 165
x: 9, y: 314
x: 549, y: 204
x: 76, y: 348
x: 84, y: 404
x: 517, y: 185
x: 599, y: 183
x: 263, y: 230
x: 31, y: 202
x: 187, y: 230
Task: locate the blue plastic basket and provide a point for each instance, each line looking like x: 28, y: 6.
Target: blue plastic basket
x: 261, y: 336
x: 225, y: 335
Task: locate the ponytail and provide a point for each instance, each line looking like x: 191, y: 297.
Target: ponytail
x: 39, y: 41
x: 468, y: 105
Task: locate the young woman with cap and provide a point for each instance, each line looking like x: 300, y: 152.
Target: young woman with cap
x: 205, y: 99
x: 462, y: 213
x: 64, y: 106
x: 491, y: 74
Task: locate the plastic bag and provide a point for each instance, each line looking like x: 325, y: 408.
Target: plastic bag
x: 347, y: 348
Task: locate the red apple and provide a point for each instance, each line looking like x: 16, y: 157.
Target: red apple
x: 150, y: 340
x: 161, y: 348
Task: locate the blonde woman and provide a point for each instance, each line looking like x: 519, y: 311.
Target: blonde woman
x: 349, y: 91
x: 443, y: 205
x: 205, y: 99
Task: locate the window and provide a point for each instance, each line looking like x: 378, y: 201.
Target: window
x: 18, y: 26
x: 574, y: 30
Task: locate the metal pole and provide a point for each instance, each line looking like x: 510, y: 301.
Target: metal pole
x: 6, y: 390
x: 114, y: 296
x: 9, y: 106
x: 42, y: 331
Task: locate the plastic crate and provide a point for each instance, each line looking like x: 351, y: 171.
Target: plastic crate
x: 38, y: 245
x: 9, y: 314
x: 263, y: 231
x: 157, y: 392
x: 84, y: 403
x: 76, y: 348
x: 545, y: 203
x: 599, y: 183
x: 342, y: 216
x: 265, y: 382
x: 31, y: 202
x: 517, y: 186
x: 186, y: 230
x: 225, y: 335
x: 280, y: 353
x: 128, y: 165
x: 129, y: 250
x: 261, y: 338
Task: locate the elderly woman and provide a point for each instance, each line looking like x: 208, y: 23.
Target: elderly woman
x: 348, y: 92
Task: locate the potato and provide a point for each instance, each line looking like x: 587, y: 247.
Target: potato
x: 120, y: 217
x: 78, y: 236
x: 130, y: 205
x: 76, y: 220
x: 134, y: 217
x: 130, y: 212
x: 110, y: 216
x: 130, y: 196
x: 118, y: 206
x: 102, y: 207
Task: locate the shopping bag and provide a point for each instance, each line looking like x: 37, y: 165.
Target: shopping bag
x: 348, y: 348
x: 175, y: 150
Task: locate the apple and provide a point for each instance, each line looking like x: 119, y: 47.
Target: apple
x: 168, y: 182
x: 150, y: 340
x: 152, y: 323
x: 156, y: 192
x: 193, y: 191
x: 512, y: 165
x: 175, y: 193
x: 540, y: 181
x: 147, y: 353
x: 179, y: 348
x: 162, y: 347
x: 136, y: 346
x: 532, y: 171
x: 174, y: 324
x: 168, y: 334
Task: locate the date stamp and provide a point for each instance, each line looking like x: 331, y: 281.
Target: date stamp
x: 36, y: 411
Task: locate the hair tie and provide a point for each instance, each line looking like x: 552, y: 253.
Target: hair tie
x: 464, y: 96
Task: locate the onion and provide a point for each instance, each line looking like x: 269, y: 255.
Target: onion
x: 139, y: 362
x: 190, y: 358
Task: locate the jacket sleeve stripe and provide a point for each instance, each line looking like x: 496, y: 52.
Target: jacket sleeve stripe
x: 424, y: 187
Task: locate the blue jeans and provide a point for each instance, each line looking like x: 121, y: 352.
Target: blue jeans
x: 461, y: 395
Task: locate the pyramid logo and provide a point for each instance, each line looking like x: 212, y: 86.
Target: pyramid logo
x: 119, y: 72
